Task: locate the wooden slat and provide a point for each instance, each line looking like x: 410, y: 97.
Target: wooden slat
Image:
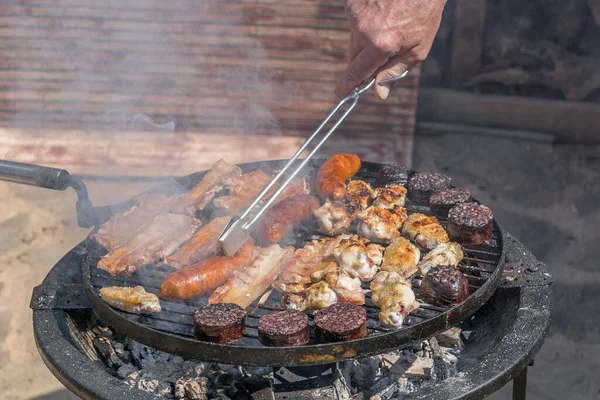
x: 467, y: 40
x: 242, y: 80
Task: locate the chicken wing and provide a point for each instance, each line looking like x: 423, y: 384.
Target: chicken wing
x: 401, y: 256
x: 444, y: 254
x: 394, y: 296
x: 425, y: 231
x: 390, y: 197
x: 295, y: 274
x: 319, y: 295
x: 332, y: 218
x: 360, y: 195
x: 358, y: 259
x: 380, y: 225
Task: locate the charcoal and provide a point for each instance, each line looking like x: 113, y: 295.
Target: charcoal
x: 385, y: 388
x: 264, y: 394
x: 341, y: 385
x: 125, y: 370
x: 196, y: 388
x: 420, y: 369
x: 104, y: 346
x: 450, y: 338
x: 119, y: 348
x: 436, y: 350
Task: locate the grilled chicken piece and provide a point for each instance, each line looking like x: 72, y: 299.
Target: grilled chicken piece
x: 161, y: 238
x: 425, y: 231
x: 390, y: 197
x: 197, y: 198
x: 131, y: 299
x: 248, y: 284
x: 401, y: 256
x: 319, y: 295
x: 394, y: 296
x: 357, y: 258
x: 444, y: 254
x: 202, y: 245
x: 332, y: 218
x: 315, y: 255
x: 122, y: 227
x: 360, y: 195
x: 379, y: 225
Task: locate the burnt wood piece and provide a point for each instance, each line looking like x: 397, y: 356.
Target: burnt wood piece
x: 340, y: 322
x: 444, y: 286
x: 220, y: 323
x: 470, y: 223
x: 284, y: 328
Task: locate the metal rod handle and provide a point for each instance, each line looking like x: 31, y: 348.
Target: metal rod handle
x: 34, y: 175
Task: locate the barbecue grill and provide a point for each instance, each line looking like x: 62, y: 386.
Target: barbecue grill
x: 172, y: 329
x: 486, y: 266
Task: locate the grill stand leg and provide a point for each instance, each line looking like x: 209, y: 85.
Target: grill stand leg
x: 520, y: 385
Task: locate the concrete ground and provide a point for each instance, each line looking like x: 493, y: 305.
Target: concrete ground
x: 547, y: 196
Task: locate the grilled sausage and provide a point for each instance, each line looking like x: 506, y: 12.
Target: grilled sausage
x: 470, y: 223
x: 219, y: 323
x: 444, y: 286
x: 333, y: 174
x: 284, y: 328
x: 281, y: 217
x: 340, y: 322
x: 205, y: 275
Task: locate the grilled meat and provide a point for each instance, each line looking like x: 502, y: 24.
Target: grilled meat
x: 159, y: 239
x: 280, y: 218
x: 448, y: 254
x: 358, y: 259
x: 123, y: 227
x: 332, y: 218
x: 219, y: 323
x: 425, y: 231
x: 444, y: 286
x: 202, y: 245
x: 333, y: 174
x: 319, y: 295
x: 423, y: 184
x: 360, y: 195
x: 401, y: 256
x: 284, y: 328
x: 394, y: 296
x: 392, y: 174
x: 470, y: 223
x: 295, y: 274
x: 340, y: 322
x: 379, y: 225
x: 390, y: 197
x: 247, y: 284
x: 131, y: 299
x: 197, y: 198
x: 442, y: 202
x: 242, y: 191
x: 206, y: 275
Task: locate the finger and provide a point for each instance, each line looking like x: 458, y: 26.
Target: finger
x: 354, y: 48
x: 366, y: 63
x: 395, y: 67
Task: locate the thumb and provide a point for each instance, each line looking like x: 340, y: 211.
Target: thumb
x: 392, y: 69
x: 366, y: 63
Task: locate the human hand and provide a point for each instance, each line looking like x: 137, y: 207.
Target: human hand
x: 387, y: 37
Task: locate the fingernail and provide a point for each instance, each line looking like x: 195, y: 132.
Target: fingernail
x: 384, y: 91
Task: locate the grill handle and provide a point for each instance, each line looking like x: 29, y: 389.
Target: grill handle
x: 56, y: 179
x: 35, y: 175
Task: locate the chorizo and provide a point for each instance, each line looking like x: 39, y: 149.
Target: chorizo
x: 206, y: 275
x: 281, y: 217
x: 333, y: 174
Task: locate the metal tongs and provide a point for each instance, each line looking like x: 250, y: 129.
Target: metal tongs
x: 237, y: 232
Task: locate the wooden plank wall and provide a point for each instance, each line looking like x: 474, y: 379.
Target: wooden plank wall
x: 242, y: 79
